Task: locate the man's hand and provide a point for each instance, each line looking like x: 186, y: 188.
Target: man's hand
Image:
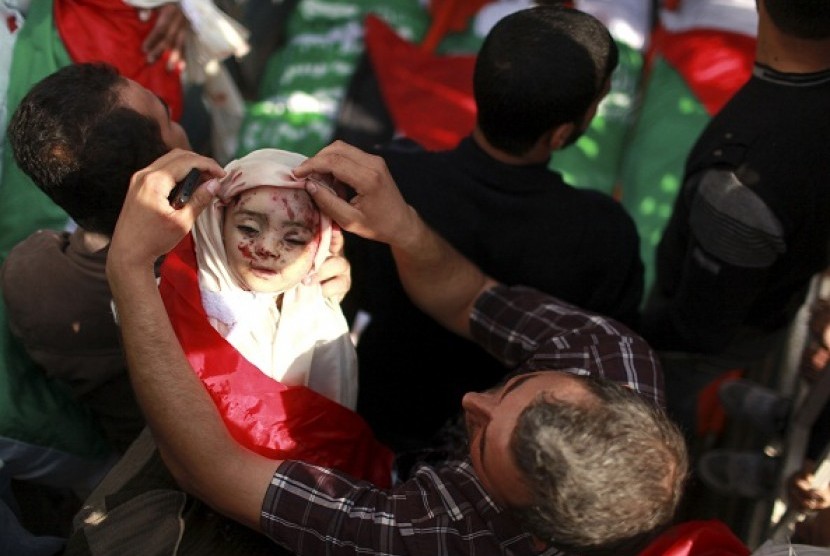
x: 168, y: 33
x: 438, y: 279
x: 148, y: 227
x: 377, y: 211
x: 802, y: 495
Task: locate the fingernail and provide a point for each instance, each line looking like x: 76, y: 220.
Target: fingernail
x: 212, y: 185
x: 311, y: 187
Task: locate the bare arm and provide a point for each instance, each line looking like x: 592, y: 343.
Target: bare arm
x: 437, y: 278
x: 189, y: 432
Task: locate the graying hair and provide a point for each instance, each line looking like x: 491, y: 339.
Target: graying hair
x: 605, y: 476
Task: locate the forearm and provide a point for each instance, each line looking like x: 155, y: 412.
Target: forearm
x: 437, y: 278
x: 185, y: 423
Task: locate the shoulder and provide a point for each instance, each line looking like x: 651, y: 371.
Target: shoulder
x: 608, y: 223
x: 733, y: 222
x: 535, y: 331
x: 31, y: 256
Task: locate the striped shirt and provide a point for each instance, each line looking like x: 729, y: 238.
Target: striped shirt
x: 444, y: 510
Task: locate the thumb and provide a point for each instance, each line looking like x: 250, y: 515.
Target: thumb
x: 202, y: 197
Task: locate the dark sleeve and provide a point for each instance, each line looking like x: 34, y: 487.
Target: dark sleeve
x: 734, y: 239
x: 620, y: 292
x: 528, y: 330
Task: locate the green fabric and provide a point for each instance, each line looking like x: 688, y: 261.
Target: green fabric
x: 34, y: 409
x: 306, y: 80
x: 593, y: 161
x: 670, y: 120
x: 38, y: 52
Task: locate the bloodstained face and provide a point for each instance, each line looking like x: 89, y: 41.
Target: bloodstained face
x: 271, y: 236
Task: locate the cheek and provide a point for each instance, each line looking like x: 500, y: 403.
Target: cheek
x: 245, y: 249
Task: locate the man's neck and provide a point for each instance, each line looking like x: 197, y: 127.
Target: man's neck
x: 788, y: 54
x: 539, y: 154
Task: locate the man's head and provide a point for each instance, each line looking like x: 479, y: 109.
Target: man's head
x: 538, y: 69
x: 584, y: 464
x: 802, y: 19
x: 82, y: 132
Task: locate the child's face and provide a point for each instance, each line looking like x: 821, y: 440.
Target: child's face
x: 271, y: 237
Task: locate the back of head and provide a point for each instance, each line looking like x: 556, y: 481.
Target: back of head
x: 538, y: 68
x: 803, y: 19
x: 73, y: 137
x: 607, y: 476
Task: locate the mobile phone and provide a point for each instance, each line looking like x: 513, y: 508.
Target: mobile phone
x: 184, y: 189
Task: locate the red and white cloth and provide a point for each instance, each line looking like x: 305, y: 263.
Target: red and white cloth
x: 284, y: 380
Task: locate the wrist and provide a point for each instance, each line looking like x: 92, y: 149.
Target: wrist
x: 412, y: 234
x: 125, y: 274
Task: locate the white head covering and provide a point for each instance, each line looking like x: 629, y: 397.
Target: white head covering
x: 307, y: 341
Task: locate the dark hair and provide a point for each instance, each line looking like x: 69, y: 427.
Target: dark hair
x: 72, y: 136
x: 804, y: 19
x: 539, y: 68
x: 606, y: 477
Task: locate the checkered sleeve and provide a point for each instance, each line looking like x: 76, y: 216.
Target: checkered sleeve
x: 440, y: 511
x: 528, y: 330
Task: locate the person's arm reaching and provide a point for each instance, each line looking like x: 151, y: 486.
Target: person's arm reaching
x: 187, y: 428
x: 437, y: 278
x: 186, y: 425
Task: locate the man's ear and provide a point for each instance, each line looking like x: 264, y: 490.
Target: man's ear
x: 559, y: 135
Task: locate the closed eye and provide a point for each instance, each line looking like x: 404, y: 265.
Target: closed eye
x: 300, y: 242
x: 247, y: 230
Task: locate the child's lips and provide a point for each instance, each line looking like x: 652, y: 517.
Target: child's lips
x: 263, y: 271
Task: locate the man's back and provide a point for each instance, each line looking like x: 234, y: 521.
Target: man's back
x: 522, y: 224
x: 753, y: 209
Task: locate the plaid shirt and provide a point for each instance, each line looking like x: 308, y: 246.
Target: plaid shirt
x: 443, y: 511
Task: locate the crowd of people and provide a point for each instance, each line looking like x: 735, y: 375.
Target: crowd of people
x: 517, y: 387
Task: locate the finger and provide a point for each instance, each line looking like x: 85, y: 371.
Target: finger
x: 335, y: 289
x: 153, y: 46
x: 161, y: 177
x: 181, y: 37
x: 201, y: 198
x: 178, y: 162
x: 328, y: 202
x: 333, y: 267
x: 173, y: 59
x: 165, y: 32
x: 156, y: 40
x: 337, y: 241
x: 346, y: 163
